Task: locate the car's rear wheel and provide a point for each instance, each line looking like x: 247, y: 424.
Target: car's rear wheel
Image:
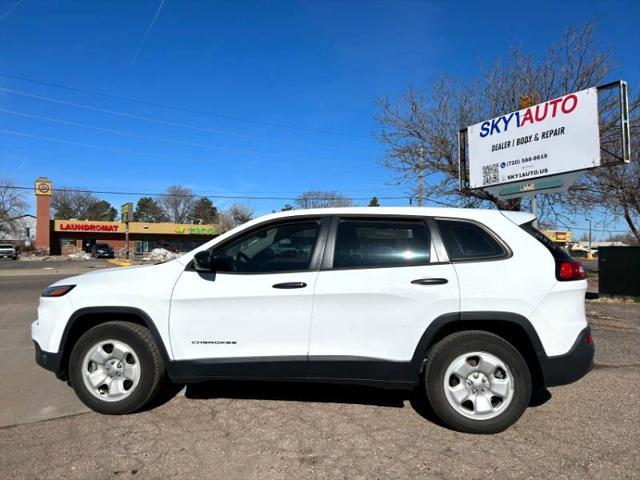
x: 477, y: 382
x: 116, y: 367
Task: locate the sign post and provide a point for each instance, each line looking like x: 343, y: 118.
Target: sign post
x: 126, y: 216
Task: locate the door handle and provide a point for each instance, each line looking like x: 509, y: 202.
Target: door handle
x: 430, y: 281
x: 289, y: 285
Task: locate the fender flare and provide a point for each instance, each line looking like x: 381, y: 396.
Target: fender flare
x: 430, y: 335
x: 144, y: 318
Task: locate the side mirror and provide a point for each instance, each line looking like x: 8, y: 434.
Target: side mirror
x: 202, y: 261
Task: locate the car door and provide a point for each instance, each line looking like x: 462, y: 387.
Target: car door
x: 258, y: 301
x: 384, y: 280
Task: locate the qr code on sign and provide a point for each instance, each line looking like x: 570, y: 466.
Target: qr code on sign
x: 490, y: 173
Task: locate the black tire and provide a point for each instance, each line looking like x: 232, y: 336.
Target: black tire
x: 441, y: 356
x: 151, y: 366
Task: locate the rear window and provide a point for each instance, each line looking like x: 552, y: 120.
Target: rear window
x: 558, y: 252
x: 468, y: 241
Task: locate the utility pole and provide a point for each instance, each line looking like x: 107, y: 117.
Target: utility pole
x: 534, y: 209
x: 421, y: 177
x: 526, y: 101
x: 126, y: 237
x: 126, y: 215
x: 589, y: 234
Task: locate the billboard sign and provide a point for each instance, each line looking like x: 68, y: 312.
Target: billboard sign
x: 547, y: 139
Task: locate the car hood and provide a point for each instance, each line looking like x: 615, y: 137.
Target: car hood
x: 124, y: 286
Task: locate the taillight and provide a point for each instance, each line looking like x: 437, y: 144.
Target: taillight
x: 570, y: 270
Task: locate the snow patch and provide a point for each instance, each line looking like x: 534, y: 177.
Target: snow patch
x: 161, y: 255
x: 79, y: 256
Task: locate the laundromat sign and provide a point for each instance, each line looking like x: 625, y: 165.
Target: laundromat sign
x: 134, y: 227
x: 87, y: 227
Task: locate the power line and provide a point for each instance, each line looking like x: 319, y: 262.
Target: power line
x: 134, y: 135
x: 182, y: 109
x: 281, y: 198
x: 221, y: 197
x: 69, y: 142
x: 172, y: 123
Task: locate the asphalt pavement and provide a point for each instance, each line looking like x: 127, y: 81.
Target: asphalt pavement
x: 50, y: 266
x: 590, y: 429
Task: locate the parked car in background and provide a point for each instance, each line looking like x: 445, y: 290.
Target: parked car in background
x: 102, y: 250
x: 8, y: 251
x: 472, y: 308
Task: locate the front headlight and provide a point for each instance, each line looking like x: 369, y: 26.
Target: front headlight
x: 57, y: 290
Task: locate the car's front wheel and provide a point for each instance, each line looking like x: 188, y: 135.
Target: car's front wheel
x: 116, y: 367
x: 477, y: 382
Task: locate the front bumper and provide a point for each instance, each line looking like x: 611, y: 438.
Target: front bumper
x: 573, y: 365
x: 47, y: 360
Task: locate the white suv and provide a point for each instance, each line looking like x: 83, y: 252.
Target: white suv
x: 473, y: 307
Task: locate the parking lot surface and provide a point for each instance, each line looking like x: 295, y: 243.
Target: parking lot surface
x: 590, y: 429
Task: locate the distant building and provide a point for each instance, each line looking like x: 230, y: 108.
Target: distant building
x: 561, y: 237
x: 62, y: 237
x: 608, y: 244
x: 19, y: 232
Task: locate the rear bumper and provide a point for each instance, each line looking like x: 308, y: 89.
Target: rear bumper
x: 572, y: 366
x: 47, y: 360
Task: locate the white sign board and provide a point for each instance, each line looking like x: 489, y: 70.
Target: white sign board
x: 550, y: 138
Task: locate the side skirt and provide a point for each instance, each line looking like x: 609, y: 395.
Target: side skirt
x: 348, y: 370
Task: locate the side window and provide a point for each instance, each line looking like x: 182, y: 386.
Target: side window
x: 381, y: 243
x: 280, y: 248
x: 468, y: 241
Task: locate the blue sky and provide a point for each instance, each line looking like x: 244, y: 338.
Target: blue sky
x: 315, y: 66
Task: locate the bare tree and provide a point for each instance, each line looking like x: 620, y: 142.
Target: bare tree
x: 322, y: 199
x: 13, y: 205
x: 70, y: 203
x: 235, y: 215
x: 177, y: 203
x: 420, y: 129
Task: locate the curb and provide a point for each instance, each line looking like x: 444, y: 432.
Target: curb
x: 120, y: 263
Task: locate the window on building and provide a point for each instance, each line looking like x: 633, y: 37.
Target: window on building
x: 68, y: 242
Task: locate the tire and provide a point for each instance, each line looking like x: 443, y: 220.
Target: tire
x: 476, y: 382
x: 111, y: 357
